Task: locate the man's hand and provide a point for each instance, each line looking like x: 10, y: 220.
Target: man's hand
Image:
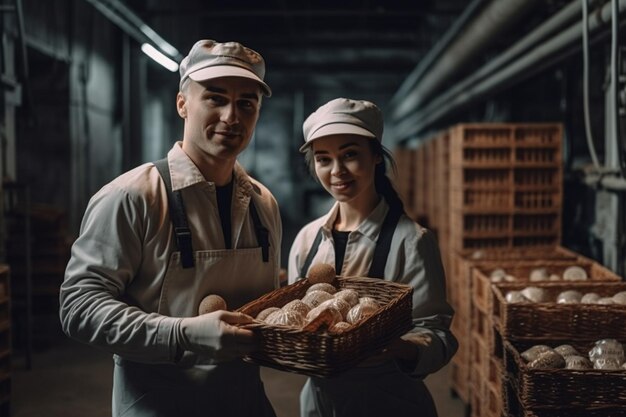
x: 214, y: 334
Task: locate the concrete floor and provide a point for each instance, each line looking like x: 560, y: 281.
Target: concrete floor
x: 68, y: 379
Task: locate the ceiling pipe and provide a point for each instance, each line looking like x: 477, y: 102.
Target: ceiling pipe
x: 496, y: 18
x: 118, y: 13
x: 516, y: 70
x: 435, y: 52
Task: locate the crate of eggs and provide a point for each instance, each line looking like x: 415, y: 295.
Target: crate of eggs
x: 560, y: 310
x: 568, y: 378
x: 323, y: 325
x: 535, y: 271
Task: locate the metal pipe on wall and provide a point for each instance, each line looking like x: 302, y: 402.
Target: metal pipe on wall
x: 516, y: 70
x: 495, y: 18
x: 435, y: 52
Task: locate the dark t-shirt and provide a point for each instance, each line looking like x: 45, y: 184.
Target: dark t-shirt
x: 224, y: 202
x: 341, y: 241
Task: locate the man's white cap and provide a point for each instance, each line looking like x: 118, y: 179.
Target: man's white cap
x: 209, y: 59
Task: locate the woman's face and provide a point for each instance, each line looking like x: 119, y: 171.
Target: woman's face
x: 345, y: 166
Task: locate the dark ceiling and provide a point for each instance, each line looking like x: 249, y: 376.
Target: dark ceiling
x: 366, y: 44
x: 365, y: 48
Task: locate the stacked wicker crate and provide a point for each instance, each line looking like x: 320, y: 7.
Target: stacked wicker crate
x: 493, y: 180
x: 420, y: 181
x: 405, y: 178
x: 560, y: 392
x: 505, y: 186
x: 491, y: 328
x: 493, y: 194
x: 489, y: 191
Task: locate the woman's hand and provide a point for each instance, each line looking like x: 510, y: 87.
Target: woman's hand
x: 405, y: 350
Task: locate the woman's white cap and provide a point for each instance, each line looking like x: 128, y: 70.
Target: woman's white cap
x: 343, y: 116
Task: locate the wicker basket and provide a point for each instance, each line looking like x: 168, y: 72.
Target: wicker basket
x: 482, y: 293
x: 514, y: 408
x: 539, y: 321
x: 552, y: 389
x: 324, y: 354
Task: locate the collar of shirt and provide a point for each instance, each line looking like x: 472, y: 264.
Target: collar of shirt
x: 370, y: 227
x: 185, y: 173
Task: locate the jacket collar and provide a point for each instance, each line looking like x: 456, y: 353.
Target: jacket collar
x: 185, y: 173
x: 370, y: 227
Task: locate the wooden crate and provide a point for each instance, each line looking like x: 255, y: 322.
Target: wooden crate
x: 459, y: 282
x: 420, y: 179
x: 404, y: 180
x: 539, y: 321
x: 487, y: 398
x: 564, y: 392
x: 460, y: 379
x: 481, y: 285
x: 514, y: 408
x: 505, y: 185
x: 431, y: 190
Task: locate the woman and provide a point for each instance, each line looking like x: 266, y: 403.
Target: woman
x: 367, y: 233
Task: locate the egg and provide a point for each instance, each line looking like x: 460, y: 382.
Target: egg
x: 496, y: 279
x: 566, y: 350
x: 360, y: 312
x: 578, y: 363
x: 315, y: 298
x: 335, y: 314
x: 575, y: 273
x: 590, y: 298
x: 607, y: 364
x: 510, y: 278
x: 605, y: 300
x: 339, y: 304
x: 299, y: 306
x: 349, y: 295
x: 539, y: 274
x: 340, y: 327
x: 548, y: 360
x: 289, y: 318
x: 554, y: 277
x: 515, y: 297
x: 211, y: 303
x: 531, y: 353
x: 497, y: 275
x: 265, y: 313
x: 534, y: 294
x: 369, y: 300
x: 322, y: 317
x: 321, y: 273
x: 569, y: 297
x: 322, y: 286
x: 607, y: 348
x: 620, y: 297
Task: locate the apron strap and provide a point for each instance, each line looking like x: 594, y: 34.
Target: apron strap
x: 312, y: 252
x: 381, y: 252
x: 383, y: 244
x: 181, y: 227
x: 262, y: 234
x: 178, y: 215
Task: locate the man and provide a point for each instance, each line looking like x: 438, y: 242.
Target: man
x: 159, y: 238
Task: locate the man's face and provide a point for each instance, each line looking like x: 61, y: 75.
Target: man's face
x: 220, y: 116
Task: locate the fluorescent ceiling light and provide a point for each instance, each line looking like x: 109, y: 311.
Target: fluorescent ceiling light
x: 159, y: 57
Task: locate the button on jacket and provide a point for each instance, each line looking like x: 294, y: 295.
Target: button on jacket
x: 125, y: 291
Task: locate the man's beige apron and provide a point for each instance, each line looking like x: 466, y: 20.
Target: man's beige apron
x: 195, y: 386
